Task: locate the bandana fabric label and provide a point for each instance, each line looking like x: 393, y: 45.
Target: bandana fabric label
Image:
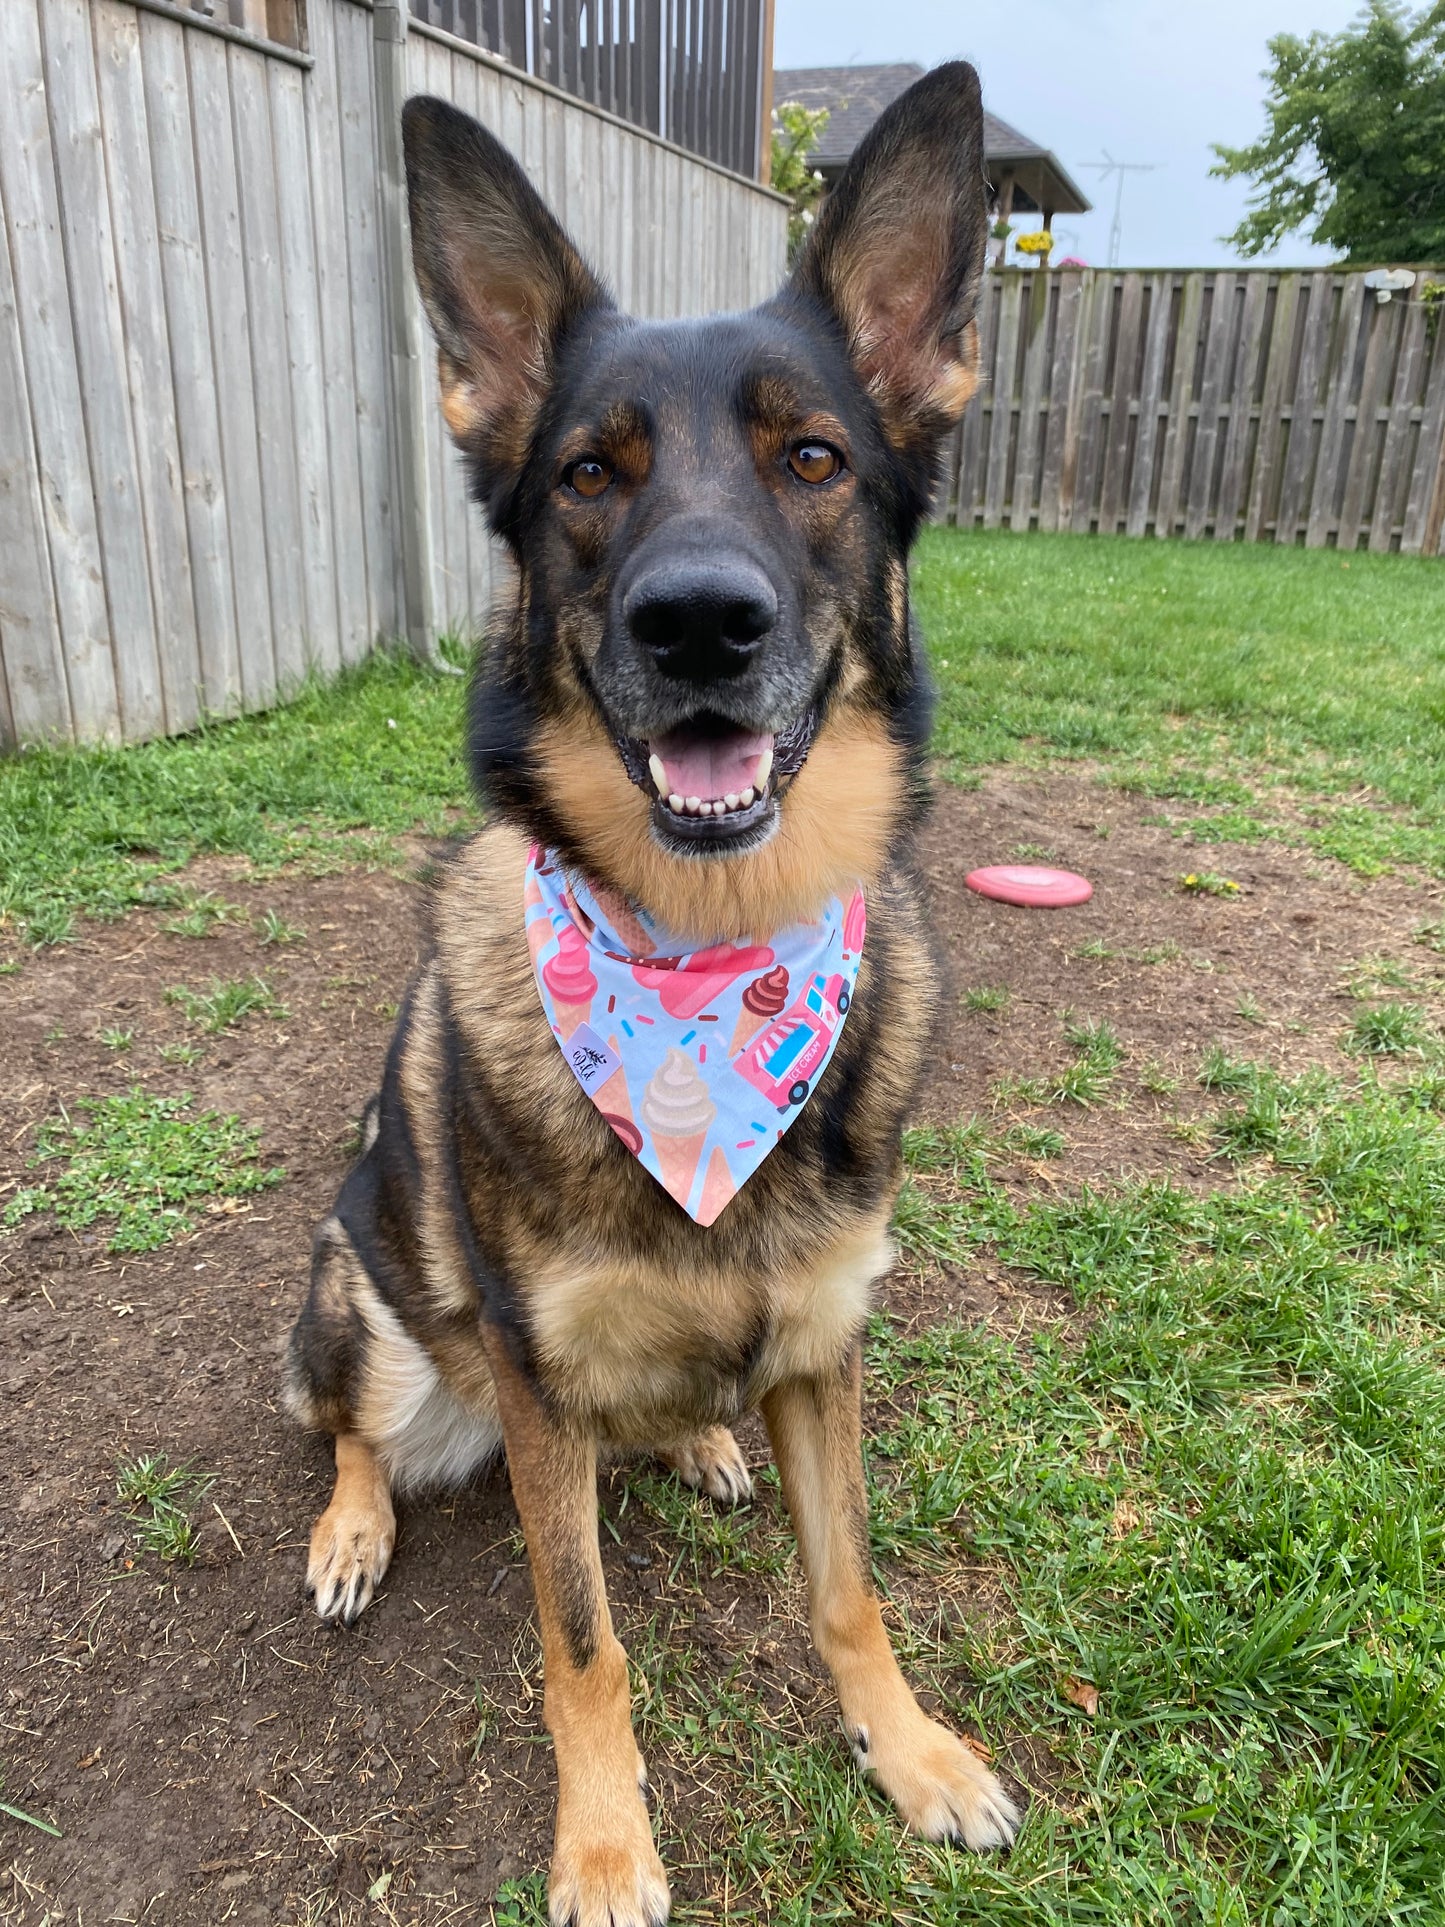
x: 698, y: 1059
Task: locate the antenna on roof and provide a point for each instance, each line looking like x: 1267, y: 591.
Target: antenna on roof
x: 1105, y: 168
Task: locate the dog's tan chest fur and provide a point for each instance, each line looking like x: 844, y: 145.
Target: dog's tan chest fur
x: 638, y: 1349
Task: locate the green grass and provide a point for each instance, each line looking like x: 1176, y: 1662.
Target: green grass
x: 1287, y: 698
x: 222, y: 1005
x: 1388, y: 1030
x: 161, y: 1500
x: 139, y: 1165
x: 1223, y: 1504
x: 202, y: 915
x: 1270, y: 682
x: 272, y: 928
x: 1085, y: 1080
x: 987, y: 997
x: 322, y: 781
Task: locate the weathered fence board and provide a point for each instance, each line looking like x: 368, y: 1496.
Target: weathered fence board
x: 201, y: 475
x: 1285, y: 407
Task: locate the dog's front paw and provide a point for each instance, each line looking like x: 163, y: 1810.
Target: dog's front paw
x: 351, y: 1547
x: 616, y: 1882
x: 942, y: 1788
x: 712, y: 1462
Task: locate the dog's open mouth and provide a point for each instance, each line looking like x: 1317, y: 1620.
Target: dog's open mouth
x: 713, y: 784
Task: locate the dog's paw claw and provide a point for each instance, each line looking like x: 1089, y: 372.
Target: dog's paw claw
x: 350, y: 1552
x: 712, y: 1462
x: 944, y: 1791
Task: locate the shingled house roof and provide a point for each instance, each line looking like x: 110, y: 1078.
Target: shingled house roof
x: 856, y: 96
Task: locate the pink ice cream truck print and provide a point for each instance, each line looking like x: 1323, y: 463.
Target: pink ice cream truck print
x: 782, y: 1061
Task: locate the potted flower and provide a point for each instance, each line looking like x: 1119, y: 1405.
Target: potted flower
x: 998, y: 236
x: 1037, y: 245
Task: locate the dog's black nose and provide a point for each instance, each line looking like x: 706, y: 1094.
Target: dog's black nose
x: 701, y: 619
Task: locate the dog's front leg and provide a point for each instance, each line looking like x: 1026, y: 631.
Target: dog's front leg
x: 605, y: 1869
x: 942, y: 1790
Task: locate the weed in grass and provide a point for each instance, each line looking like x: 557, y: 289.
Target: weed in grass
x: 1388, y: 1030
x: 142, y: 1164
x: 1033, y: 853
x: 1249, y: 1010
x: 1156, y: 1080
x: 116, y: 1040
x: 987, y: 997
x: 1205, y: 883
x: 10, y: 967
x: 49, y: 923
x: 1097, y: 1044
x: 1084, y: 1081
x: 162, y: 1499
x: 273, y: 928
x: 181, y: 1054
x: 1432, y: 935
x: 1161, y: 953
x: 1031, y: 1142
x: 1221, y: 1072
x: 1096, y: 951
x: 223, y: 1005
x: 201, y: 917
x: 55, y: 1034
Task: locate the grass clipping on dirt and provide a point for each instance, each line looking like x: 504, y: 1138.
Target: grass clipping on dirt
x: 140, y: 1165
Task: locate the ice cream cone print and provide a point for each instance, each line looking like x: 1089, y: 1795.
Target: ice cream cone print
x: 678, y: 1159
x: 539, y: 935
x: 568, y: 976
x: 763, y: 1000
x: 613, y: 1101
x: 717, y: 1187
x: 678, y: 1113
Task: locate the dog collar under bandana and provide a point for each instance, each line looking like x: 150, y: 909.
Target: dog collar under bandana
x: 698, y: 1059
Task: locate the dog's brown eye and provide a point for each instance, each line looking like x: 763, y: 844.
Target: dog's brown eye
x: 814, y: 462
x: 588, y: 478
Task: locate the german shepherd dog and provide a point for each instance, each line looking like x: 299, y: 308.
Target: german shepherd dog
x: 711, y: 523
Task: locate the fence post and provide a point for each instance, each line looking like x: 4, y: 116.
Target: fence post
x: 404, y: 336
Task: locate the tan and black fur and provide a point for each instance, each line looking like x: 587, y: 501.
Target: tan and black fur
x: 498, y: 1270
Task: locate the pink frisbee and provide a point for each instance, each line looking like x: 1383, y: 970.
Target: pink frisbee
x: 1030, y: 885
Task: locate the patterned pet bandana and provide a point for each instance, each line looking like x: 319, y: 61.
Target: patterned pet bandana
x: 701, y: 1059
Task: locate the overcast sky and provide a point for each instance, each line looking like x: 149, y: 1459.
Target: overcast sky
x: 1151, y: 80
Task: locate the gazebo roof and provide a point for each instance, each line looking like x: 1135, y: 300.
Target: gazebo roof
x: 856, y: 96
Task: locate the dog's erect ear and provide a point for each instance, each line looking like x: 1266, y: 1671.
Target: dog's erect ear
x: 501, y: 282
x: 897, y: 253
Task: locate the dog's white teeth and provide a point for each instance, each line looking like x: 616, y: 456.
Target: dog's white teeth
x: 745, y: 800
x: 731, y: 800
x: 705, y: 809
x: 764, y: 770
x: 674, y: 803
x: 693, y: 805
x: 659, y: 774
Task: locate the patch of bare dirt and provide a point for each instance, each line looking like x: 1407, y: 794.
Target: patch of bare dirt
x: 207, y: 1749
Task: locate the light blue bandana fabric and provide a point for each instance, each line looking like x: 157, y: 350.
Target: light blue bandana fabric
x: 698, y: 1059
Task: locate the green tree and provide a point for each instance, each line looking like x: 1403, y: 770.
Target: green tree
x: 1354, y: 149
x: 796, y: 132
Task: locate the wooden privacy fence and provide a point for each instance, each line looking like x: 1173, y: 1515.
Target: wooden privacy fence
x: 222, y: 464
x: 1263, y: 405
x: 698, y: 73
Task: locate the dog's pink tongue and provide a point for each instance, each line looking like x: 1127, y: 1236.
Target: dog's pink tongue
x: 710, y: 766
